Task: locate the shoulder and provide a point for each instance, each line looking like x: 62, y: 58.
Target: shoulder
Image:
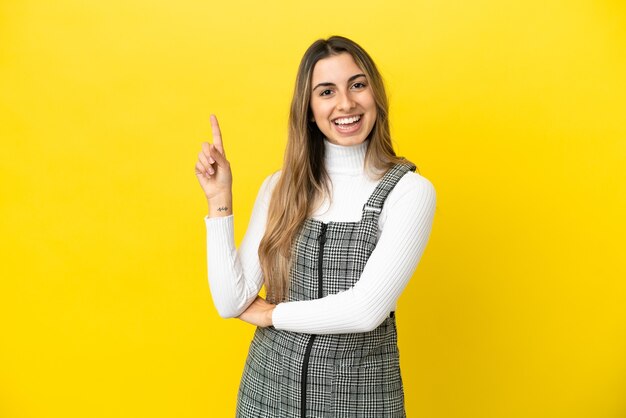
x: 267, y: 187
x: 414, y: 191
x: 271, y: 180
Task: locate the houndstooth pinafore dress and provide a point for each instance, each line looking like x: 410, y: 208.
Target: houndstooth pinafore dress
x: 289, y: 374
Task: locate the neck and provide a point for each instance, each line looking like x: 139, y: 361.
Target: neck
x: 345, y: 159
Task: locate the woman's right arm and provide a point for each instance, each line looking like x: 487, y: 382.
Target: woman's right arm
x: 235, y: 276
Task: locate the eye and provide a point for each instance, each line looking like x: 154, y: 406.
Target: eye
x: 323, y: 92
x: 358, y: 84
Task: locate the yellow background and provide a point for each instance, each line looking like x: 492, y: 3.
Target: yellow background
x: 514, y: 110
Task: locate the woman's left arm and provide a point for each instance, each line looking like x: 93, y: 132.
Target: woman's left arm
x: 410, y: 209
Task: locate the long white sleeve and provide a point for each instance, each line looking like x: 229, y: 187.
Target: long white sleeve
x: 235, y: 276
x: 409, y: 214
x: 405, y: 222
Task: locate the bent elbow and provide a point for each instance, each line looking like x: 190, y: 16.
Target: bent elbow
x: 227, y: 311
x: 369, y: 321
x: 227, y: 302
x: 235, y: 308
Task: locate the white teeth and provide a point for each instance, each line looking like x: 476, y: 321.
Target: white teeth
x: 344, y: 121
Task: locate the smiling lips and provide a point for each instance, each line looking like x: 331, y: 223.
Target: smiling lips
x: 347, y: 120
x: 348, y: 124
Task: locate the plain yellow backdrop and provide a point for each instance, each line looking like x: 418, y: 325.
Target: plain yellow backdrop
x: 516, y: 111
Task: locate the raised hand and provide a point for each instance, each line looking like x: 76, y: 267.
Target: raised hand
x: 213, y: 171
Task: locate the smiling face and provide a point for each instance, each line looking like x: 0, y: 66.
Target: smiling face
x: 342, y: 100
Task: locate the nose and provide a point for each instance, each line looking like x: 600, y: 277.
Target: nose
x: 345, y: 101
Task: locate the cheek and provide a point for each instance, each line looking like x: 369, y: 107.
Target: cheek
x: 371, y: 102
x: 321, y: 110
x: 372, y: 108
x: 314, y: 108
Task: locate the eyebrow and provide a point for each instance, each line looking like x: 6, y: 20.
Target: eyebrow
x: 332, y: 84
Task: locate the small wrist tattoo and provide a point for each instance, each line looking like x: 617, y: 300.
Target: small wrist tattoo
x: 222, y: 208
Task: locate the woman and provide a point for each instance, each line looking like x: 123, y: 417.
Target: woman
x: 334, y: 236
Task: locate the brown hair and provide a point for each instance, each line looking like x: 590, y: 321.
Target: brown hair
x: 303, y: 177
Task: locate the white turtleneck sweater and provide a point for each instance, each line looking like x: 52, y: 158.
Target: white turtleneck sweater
x: 235, y: 276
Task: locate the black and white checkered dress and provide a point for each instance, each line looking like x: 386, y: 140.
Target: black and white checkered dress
x: 290, y: 374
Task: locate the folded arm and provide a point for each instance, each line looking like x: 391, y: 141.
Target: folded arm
x: 392, y: 263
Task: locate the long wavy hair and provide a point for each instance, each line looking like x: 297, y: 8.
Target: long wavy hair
x: 303, y: 178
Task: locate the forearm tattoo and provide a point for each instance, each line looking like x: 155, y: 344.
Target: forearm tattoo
x: 222, y: 208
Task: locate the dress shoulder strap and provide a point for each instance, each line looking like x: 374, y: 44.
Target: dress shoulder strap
x: 374, y: 204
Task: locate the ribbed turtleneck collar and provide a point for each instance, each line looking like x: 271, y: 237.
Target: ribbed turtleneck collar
x: 345, y: 159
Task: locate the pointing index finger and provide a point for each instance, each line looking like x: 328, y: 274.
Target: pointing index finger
x: 217, y: 135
